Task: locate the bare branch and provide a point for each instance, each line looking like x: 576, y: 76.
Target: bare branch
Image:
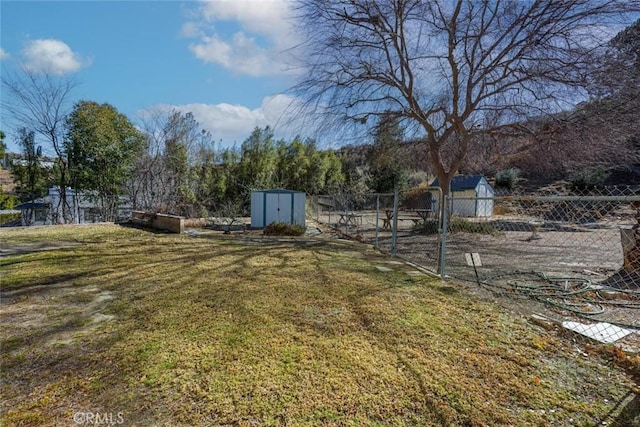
x: 449, y: 65
x: 41, y: 102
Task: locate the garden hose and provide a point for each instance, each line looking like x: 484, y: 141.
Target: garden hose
x: 566, y: 293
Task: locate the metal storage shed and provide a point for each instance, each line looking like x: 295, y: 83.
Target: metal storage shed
x: 470, y: 195
x: 277, y: 205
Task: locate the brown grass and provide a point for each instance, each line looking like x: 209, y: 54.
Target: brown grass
x: 177, y: 330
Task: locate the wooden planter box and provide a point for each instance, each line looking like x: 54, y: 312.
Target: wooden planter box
x: 172, y: 223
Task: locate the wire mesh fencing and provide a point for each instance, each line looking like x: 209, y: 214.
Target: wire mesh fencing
x: 574, y: 253
x: 562, y: 254
x: 407, y: 226
x: 361, y: 216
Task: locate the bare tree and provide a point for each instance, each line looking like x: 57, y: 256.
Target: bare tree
x: 453, y: 69
x: 41, y: 102
x: 149, y: 188
x: 230, y: 211
x: 164, y: 178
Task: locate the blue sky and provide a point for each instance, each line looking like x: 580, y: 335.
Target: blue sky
x: 225, y: 61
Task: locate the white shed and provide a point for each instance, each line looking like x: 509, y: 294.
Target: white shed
x: 277, y: 205
x: 472, y: 195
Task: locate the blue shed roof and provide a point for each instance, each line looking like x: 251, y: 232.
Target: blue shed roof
x: 277, y: 190
x: 32, y: 205
x: 462, y: 182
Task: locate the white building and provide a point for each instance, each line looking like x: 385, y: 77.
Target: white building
x: 81, y: 208
x: 471, y: 196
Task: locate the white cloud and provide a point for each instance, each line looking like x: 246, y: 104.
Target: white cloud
x: 3, y: 54
x: 269, y: 18
x: 234, y: 123
x: 51, y: 56
x: 191, y: 30
x: 241, y: 54
x: 257, y: 49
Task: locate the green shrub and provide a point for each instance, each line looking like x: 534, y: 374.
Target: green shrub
x: 8, y: 201
x: 282, y: 229
x: 464, y: 225
x: 6, y: 218
x: 507, y: 178
x: 588, y: 178
x: 456, y: 223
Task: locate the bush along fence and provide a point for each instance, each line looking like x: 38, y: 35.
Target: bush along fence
x: 573, y: 255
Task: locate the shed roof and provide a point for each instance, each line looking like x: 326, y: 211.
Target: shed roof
x: 32, y: 205
x: 277, y: 190
x: 462, y: 182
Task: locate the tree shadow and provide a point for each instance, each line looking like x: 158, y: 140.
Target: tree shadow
x: 629, y: 415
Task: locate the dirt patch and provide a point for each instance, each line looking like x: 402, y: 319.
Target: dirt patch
x: 26, y: 248
x: 61, y: 314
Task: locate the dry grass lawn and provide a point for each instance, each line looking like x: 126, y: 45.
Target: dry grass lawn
x: 180, y: 330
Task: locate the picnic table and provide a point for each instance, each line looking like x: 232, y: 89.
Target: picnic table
x: 348, y: 218
x: 415, y: 215
x: 422, y: 213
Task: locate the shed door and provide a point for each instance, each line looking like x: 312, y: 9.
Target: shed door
x: 277, y: 208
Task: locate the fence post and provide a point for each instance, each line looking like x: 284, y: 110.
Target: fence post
x: 333, y: 204
x: 443, y: 236
x: 394, y: 226
x: 346, y: 208
x: 630, y: 240
x: 377, y: 218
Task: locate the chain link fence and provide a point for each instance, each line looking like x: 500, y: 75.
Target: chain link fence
x: 564, y: 255
x: 386, y: 220
x: 360, y: 216
x: 571, y: 254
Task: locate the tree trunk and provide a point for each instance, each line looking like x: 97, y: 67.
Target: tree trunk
x: 630, y: 239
